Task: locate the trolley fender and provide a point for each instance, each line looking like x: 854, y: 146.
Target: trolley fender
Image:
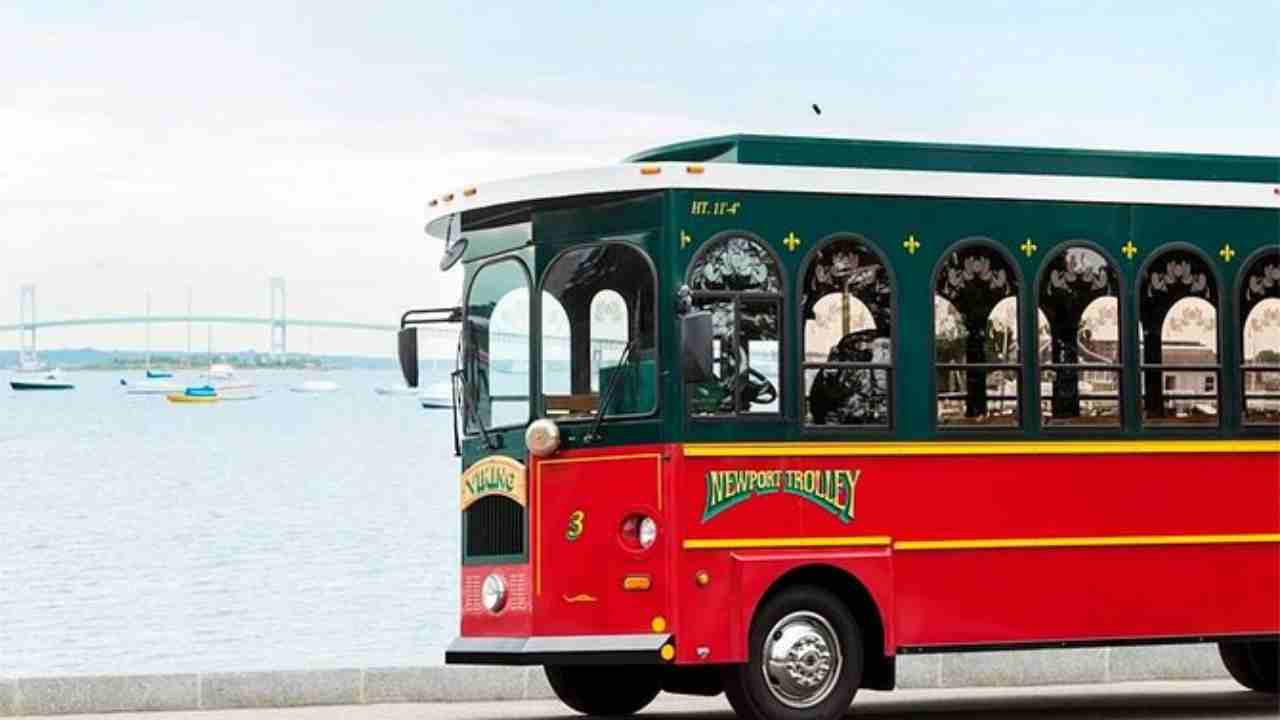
x: 855, y: 576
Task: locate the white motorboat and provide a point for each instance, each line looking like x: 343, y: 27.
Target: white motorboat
x: 315, y: 386
x: 221, y: 371
x: 46, y: 380
x: 438, y: 396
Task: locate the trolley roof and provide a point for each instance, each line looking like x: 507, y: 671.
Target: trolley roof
x: 873, y: 167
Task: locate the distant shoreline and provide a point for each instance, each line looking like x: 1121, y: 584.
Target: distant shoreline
x: 133, y: 361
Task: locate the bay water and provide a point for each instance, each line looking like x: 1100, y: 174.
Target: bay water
x: 294, y: 531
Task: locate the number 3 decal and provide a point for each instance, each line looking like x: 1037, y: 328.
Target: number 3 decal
x: 575, y: 525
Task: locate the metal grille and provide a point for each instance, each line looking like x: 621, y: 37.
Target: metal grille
x: 493, y: 526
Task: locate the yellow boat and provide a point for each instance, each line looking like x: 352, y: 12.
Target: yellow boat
x: 204, y: 394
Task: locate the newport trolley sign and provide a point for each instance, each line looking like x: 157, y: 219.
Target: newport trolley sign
x: 758, y: 415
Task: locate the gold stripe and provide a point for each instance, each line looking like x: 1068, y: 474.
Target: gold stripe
x: 899, y: 449
x: 794, y: 542
x: 1068, y: 542
x: 979, y: 544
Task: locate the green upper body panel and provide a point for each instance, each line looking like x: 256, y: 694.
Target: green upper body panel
x: 912, y: 236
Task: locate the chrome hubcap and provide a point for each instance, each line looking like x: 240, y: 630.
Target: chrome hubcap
x: 801, y: 659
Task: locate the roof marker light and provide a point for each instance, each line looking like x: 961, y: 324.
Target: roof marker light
x: 434, y: 202
x: 469, y: 192
x: 694, y: 169
x: 650, y: 170
x: 448, y: 198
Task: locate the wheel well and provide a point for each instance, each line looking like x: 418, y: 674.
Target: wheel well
x: 878, y: 669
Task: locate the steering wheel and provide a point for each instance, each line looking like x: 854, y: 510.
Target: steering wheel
x: 757, y: 388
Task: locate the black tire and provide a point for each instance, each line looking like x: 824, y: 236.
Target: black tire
x: 1254, y: 664
x: 754, y: 697
x: 604, y: 689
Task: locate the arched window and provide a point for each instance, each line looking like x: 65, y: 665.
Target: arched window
x: 976, y: 338
x: 737, y: 279
x: 496, y: 340
x: 597, y: 325
x: 847, y: 309
x: 1079, y: 340
x: 1178, y: 331
x: 609, y: 323
x: 557, y: 348
x: 1260, y: 339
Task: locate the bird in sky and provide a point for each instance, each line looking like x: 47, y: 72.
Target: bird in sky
x: 816, y: 110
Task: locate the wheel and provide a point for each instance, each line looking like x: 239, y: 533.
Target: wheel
x: 1254, y: 664
x: 805, y: 659
x: 604, y: 690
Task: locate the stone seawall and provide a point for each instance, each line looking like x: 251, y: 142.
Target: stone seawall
x: 209, y: 691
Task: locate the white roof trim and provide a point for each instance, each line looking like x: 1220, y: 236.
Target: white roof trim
x: 856, y: 181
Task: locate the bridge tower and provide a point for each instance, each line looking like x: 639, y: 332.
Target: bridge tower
x: 279, y: 321
x: 27, y: 326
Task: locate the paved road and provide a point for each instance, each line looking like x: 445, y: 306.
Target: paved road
x: 1160, y: 700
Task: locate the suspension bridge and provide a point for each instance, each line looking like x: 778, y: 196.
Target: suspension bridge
x: 278, y: 321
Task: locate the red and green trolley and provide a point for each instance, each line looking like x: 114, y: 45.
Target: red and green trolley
x: 757, y: 415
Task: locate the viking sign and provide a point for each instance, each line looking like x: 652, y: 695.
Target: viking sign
x: 495, y: 475
x: 831, y: 490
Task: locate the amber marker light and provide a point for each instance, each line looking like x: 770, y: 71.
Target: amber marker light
x: 650, y: 170
x: 694, y: 169
x: 668, y: 652
x: 469, y: 192
x: 659, y: 624
x: 702, y: 578
x: 636, y: 583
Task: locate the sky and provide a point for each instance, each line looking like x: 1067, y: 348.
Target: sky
x: 152, y: 147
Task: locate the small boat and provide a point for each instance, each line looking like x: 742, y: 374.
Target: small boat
x: 149, y: 387
x: 315, y: 386
x: 153, y: 374
x: 195, y: 395
x: 395, y: 390
x: 438, y: 396
x: 221, y: 371
x: 50, y: 380
x: 223, y: 378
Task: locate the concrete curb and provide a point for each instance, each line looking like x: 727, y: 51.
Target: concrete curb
x: 208, y: 691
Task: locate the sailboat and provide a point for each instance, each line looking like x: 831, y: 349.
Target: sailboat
x: 155, y: 383
x: 201, y: 395
x: 222, y: 378
x: 314, y: 386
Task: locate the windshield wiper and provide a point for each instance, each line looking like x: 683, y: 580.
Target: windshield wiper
x: 459, y: 377
x: 594, y: 435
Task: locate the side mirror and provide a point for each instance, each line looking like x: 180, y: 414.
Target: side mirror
x: 407, y: 339
x: 696, y: 334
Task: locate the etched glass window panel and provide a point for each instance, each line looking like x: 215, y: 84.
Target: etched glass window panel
x: 1178, y: 334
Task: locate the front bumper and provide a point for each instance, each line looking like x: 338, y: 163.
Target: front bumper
x: 558, y: 650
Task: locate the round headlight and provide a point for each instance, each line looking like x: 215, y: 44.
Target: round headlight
x: 543, y: 437
x: 648, y: 532
x: 493, y: 594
